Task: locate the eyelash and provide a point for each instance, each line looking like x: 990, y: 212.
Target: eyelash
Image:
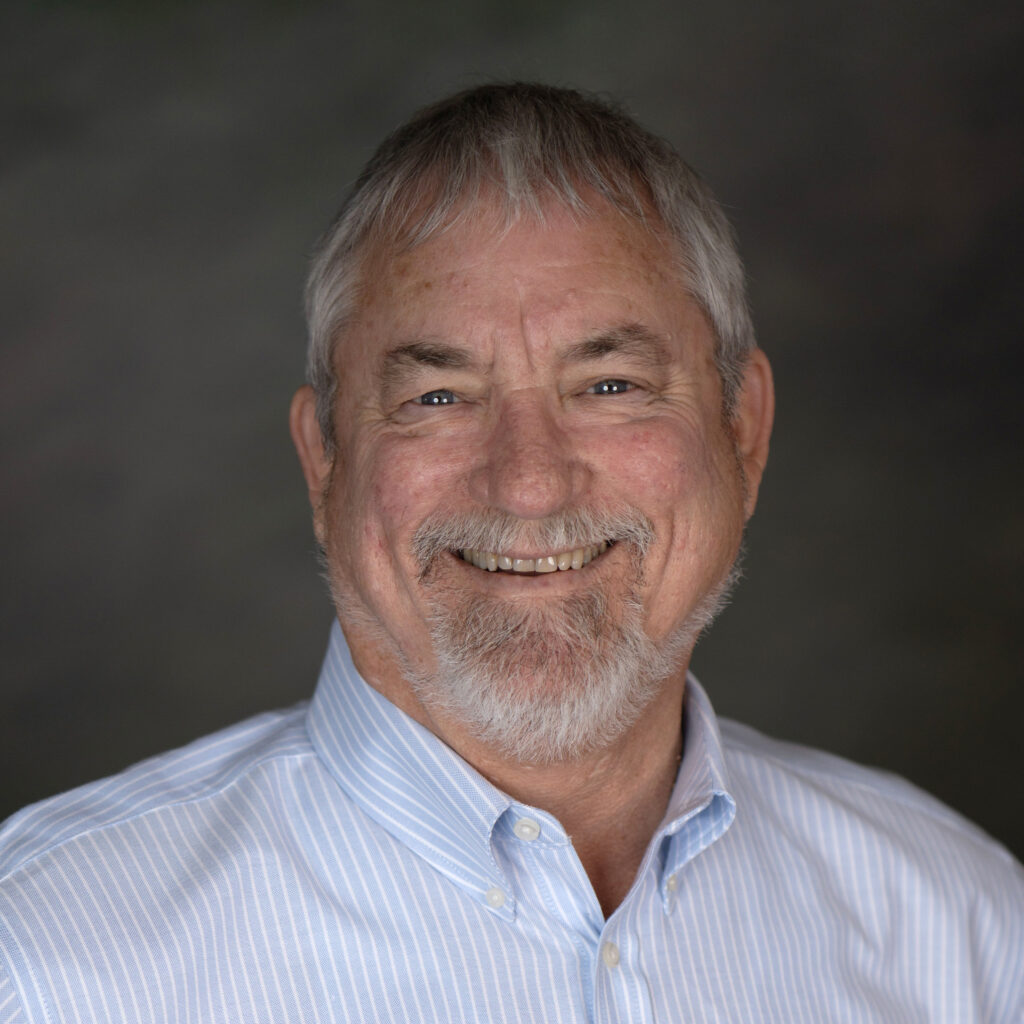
x: 444, y: 396
x: 431, y: 398
x: 611, y: 386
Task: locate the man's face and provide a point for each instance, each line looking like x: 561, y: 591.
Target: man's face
x: 545, y: 397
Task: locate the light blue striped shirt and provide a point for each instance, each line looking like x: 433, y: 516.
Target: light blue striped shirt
x: 337, y: 862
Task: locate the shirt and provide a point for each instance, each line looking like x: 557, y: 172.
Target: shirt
x: 338, y: 862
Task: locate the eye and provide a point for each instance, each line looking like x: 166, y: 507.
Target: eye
x: 610, y: 387
x: 439, y: 397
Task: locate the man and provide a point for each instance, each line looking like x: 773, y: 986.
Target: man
x: 535, y: 428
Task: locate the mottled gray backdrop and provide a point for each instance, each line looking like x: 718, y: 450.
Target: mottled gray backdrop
x: 164, y: 170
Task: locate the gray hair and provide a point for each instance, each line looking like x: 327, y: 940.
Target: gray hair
x: 526, y: 145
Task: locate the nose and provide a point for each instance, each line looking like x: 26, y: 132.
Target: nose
x: 529, y: 467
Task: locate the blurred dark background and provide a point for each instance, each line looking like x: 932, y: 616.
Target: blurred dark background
x: 164, y: 171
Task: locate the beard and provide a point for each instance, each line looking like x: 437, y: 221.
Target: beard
x: 552, y: 680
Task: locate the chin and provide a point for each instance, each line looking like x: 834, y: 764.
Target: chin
x: 547, y: 685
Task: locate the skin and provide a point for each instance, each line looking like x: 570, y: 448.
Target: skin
x: 529, y: 325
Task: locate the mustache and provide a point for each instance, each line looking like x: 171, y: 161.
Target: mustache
x: 497, y: 531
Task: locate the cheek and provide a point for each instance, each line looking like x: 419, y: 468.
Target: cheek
x: 402, y: 484
x: 658, y: 462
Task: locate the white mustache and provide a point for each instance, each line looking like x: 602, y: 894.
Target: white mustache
x: 493, y: 530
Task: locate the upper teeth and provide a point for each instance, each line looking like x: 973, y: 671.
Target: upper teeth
x: 575, y: 559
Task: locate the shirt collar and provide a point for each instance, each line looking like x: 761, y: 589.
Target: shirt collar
x: 701, y: 807
x: 420, y: 791
x: 409, y: 782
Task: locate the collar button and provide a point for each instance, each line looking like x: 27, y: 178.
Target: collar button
x: 526, y: 829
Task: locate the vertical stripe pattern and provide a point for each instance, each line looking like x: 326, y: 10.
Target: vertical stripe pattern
x: 336, y: 862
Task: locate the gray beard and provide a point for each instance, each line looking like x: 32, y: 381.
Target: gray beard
x: 549, y: 682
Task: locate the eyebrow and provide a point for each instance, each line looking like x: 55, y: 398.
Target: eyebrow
x: 399, y: 364
x: 633, y: 340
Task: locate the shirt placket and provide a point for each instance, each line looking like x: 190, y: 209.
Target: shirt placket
x: 551, y: 881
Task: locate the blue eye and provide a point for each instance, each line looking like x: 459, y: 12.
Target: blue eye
x: 439, y: 397
x: 610, y: 387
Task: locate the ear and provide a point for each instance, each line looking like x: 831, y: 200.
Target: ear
x: 752, y: 422
x: 309, y: 443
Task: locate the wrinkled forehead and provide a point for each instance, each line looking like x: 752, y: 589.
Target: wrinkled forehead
x: 537, y: 290
x: 483, y: 244
x: 388, y: 255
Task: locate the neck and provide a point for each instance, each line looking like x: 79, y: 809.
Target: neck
x: 610, y: 802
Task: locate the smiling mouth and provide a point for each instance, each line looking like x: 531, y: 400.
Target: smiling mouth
x: 562, y: 562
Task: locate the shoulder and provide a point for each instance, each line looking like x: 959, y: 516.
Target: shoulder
x: 200, y: 771
x: 859, y: 815
x: 877, y: 874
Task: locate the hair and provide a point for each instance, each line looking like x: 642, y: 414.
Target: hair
x: 523, y: 145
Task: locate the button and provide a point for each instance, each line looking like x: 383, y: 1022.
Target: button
x: 610, y: 954
x: 526, y: 829
x: 495, y: 897
x: 672, y: 883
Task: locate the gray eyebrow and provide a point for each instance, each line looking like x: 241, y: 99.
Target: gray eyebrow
x: 401, y: 362
x: 633, y: 340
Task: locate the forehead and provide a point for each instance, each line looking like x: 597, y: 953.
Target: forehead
x: 542, y: 279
